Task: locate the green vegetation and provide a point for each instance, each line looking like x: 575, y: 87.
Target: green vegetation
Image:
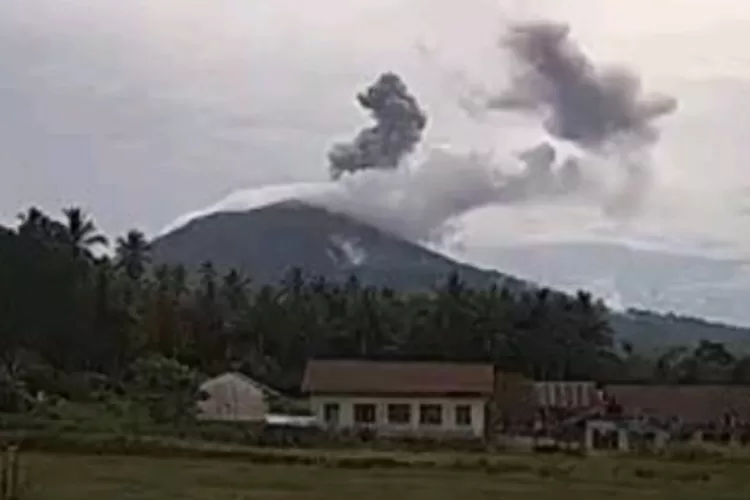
x: 263, y: 243
x: 69, y: 313
x: 101, y: 359
x: 514, y: 478
x: 137, y: 337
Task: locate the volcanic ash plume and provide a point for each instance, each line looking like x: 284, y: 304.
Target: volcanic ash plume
x: 416, y: 200
x: 601, y: 110
x: 419, y: 200
x: 588, y: 106
x: 399, y: 123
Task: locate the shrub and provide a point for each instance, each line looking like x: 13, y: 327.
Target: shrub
x: 168, y: 389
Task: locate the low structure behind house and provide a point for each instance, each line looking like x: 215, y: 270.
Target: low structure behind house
x: 416, y: 399
x: 564, y: 395
x: 559, y: 401
x: 697, y: 406
x: 233, y: 397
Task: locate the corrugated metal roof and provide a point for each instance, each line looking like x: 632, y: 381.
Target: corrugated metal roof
x: 246, y: 379
x: 376, y: 377
x: 696, y: 403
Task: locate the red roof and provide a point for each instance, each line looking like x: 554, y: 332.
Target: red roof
x: 397, y: 378
x: 696, y: 403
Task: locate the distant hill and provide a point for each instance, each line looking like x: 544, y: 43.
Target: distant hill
x: 266, y: 242
x: 650, y: 330
x: 663, y: 281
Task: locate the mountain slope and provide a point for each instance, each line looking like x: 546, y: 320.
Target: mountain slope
x: 647, y: 279
x: 265, y: 243
x: 650, y: 330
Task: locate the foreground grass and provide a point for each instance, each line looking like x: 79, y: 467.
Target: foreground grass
x: 69, y: 477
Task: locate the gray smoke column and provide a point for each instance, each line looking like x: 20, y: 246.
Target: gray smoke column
x: 423, y: 199
x: 399, y: 123
x: 591, y: 107
x: 601, y: 110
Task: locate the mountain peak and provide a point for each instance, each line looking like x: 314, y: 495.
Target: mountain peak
x: 266, y: 242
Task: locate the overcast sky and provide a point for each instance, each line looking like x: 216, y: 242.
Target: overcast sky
x: 144, y: 110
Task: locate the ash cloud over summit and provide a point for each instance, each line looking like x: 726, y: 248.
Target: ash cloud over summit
x: 379, y: 179
x: 581, y: 103
x: 602, y: 110
x: 399, y: 122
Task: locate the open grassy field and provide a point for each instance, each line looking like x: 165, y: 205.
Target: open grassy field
x: 69, y: 477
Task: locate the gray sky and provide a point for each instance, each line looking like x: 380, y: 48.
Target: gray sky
x: 144, y: 110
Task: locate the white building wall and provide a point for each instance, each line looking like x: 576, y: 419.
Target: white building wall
x: 232, y: 397
x: 448, y: 427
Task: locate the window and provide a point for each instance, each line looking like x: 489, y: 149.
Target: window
x: 399, y: 414
x: 331, y: 413
x: 430, y: 414
x: 463, y: 415
x: 364, y: 414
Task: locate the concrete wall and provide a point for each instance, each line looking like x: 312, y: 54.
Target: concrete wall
x: 233, y: 397
x: 448, y: 428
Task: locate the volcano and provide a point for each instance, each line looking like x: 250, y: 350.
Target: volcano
x: 266, y: 242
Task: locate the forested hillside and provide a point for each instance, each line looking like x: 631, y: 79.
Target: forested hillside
x: 264, y: 243
x: 72, y: 312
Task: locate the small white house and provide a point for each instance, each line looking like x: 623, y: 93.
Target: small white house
x: 233, y: 397
x: 401, y: 399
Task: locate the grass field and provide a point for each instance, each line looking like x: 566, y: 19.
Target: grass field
x: 69, y: 477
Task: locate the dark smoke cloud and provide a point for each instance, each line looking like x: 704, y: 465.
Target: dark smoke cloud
x: 589, y: 106
x: 601, y: 110
x: 399, y: 123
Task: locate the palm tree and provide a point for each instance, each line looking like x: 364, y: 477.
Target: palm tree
x: 81, y: 231
x: 233, y: 291
x: 32, y: 218
x: 132, y: 254
x: 36, y: 224
x: 178, y: 282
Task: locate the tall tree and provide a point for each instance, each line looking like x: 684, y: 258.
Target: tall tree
x: 100, y: 315
x: 37, y: 225
x: 81, y: 232
x: 132, y: 254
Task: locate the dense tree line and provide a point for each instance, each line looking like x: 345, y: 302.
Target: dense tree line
x: 75, y: 309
